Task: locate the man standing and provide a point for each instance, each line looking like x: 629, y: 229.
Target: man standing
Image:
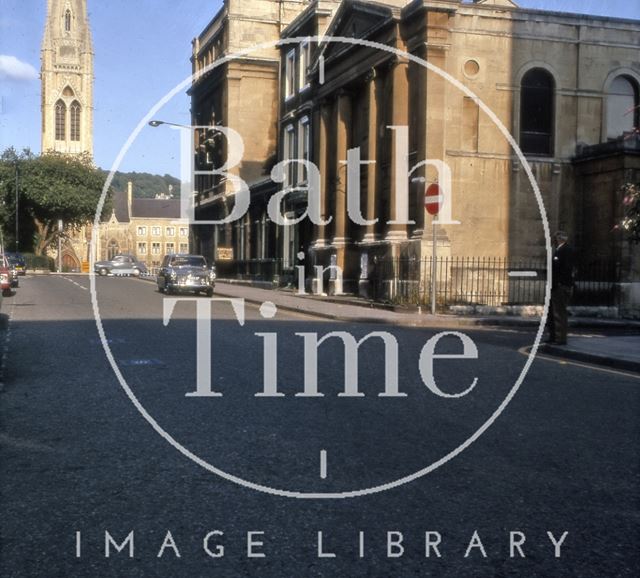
x: 561, y: 289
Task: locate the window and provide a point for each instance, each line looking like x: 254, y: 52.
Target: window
x: 622, y: 107
x: 142, y: 231
x: 305, y: 59
x: 537, y: 112
x: 290, y: 74
x: 155, y: 248
x: 156, y: 231
x: 171, y: 247
x: 289, y: 153
x: 74, y: 109
x: 304, y: 145
x: 61, y: 120
x: 142, y: 248
x: 184, y: 231
x: 113, y: 249
x: 67, y: 21
x: 184, y: 247
x: 170, y: 231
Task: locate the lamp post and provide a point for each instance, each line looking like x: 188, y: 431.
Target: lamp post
x: 17, y: 201
x: 60, y: 229
x: 156, y: 123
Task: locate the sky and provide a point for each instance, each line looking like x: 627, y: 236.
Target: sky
x: 142, y: 50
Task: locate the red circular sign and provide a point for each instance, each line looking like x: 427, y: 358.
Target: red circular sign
x: 432, y: 199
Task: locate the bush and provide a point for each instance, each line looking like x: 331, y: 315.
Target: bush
x: 38, y: 262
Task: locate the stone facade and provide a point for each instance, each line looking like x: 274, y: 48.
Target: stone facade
x: 67, y: 79
x: 67, y: 101
x: 564, y: 85
x: 145, y: 228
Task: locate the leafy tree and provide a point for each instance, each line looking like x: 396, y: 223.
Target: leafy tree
x: 51, y: 186
x: 630, y: 223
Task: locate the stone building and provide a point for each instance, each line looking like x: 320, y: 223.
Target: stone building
x: 67, y: 99
x: 145, y: 228
x: 242, y: 94
x: 67, y: 79
x: 565, y: 86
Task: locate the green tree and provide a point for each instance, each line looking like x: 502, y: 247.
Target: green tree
x: 51, y: 186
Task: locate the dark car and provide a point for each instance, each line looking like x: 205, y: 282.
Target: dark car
x: 16, y: 260
x: 182, y: 273
x: 121, y: 265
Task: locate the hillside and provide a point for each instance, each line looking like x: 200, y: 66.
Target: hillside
x: 146, y: 185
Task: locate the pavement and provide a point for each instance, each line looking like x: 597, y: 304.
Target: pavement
x: 617, y: 343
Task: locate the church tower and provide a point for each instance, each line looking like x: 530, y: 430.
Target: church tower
x: 67, y: 78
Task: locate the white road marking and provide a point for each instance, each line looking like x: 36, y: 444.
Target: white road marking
x: 523, y: 274
x: 76, y: 284
x: 323, y: 464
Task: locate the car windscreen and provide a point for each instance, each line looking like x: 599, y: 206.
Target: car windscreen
x: 188, y: 262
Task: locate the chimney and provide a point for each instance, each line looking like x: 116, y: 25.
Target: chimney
x: 129, y: 197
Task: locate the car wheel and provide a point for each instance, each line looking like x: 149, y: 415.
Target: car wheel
x: 160, y: 289
x: 209, y: 292
x: 136, y: 273
x: 103, y: 272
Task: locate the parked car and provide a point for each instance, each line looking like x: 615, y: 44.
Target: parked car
x: 182, y: 273
x: 5, y: 276
x: 17, y: 261
x: 121, y: 265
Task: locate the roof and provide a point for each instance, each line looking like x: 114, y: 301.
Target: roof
x: 155, y: 208
x: 120, y: 208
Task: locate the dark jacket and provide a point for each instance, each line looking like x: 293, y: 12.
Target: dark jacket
x: 562, y: 270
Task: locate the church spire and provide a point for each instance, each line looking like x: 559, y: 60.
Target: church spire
x: 67, y: 78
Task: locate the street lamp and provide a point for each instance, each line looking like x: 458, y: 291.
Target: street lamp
x: 156, y: 123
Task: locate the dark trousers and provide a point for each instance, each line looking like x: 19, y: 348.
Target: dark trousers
x: 557, y: 320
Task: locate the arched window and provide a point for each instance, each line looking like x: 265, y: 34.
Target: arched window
x: 61, y: 120
x: 75, y: 111
x: 67, y: 21
x: 622, y: 107
x: 112, y: 249
x: 537, y: 112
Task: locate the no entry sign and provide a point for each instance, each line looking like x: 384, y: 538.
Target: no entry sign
x: 432, y: 199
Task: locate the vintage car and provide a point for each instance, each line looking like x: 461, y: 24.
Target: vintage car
x: 16, y: 260
x: 120, y: 265
x: 186, y: 273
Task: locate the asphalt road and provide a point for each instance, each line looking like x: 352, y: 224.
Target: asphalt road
x: 82, y: 469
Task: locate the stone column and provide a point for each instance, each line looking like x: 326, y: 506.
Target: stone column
x: 435, y: 87
x: 373, y: 92
x: 418, y: 187
x: 400, y: 118
x: 343, y: 122
x: 321, y: 116
x: 340, y: 238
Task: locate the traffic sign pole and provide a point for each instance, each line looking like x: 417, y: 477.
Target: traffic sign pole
x: 432, y: 200
x: 434, y: 270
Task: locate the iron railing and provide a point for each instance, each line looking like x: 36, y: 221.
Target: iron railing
x: 490, y: 281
